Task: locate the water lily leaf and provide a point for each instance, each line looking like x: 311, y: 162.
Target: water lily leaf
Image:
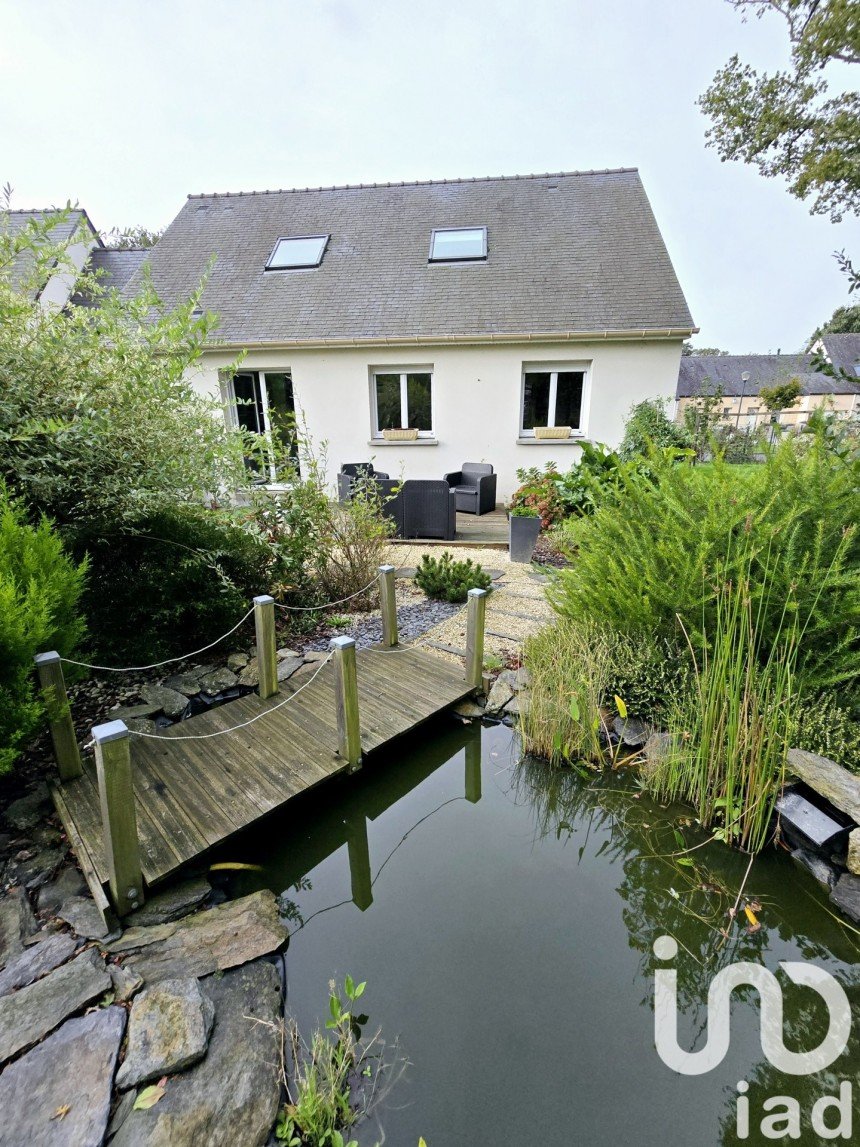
x: 148, y: 1098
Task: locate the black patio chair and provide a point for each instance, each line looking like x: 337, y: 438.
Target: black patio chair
x: 429, y: 509
x: 474, y: 486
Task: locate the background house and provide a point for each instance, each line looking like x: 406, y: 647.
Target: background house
x: 470, y: 310
x: 55, y: 289
x: 740, y: 378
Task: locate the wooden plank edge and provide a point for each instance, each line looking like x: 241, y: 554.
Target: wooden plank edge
x: 85, y: 860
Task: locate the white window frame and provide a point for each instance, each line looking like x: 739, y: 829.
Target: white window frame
x: 433, y: 258
x: 230, y: 391
x: 554, y: 369
x: 403, y: 371
x: 269, y: 268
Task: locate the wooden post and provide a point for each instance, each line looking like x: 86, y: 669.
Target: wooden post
x: 119, y: 820
x: 49, y: 666
x: 359, y: 862
x: 346, y: 700
x: 267, y: 651
x: 388, y: 605
x: 473, y: 768
x: 475, y: 637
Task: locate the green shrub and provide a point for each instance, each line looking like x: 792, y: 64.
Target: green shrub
x: 39, y: 591
x: 649, y: 674
x: 447, y: 580
x: 648, y: 426
x: 825, y: 726
x: 172, y: 581
x: 647, y: 558
x: 582, y: 488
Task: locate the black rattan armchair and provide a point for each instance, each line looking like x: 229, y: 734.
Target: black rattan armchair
x: 429, y: 510
x: 474, y: 486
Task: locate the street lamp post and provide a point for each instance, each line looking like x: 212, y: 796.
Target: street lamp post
x: 745, y: 377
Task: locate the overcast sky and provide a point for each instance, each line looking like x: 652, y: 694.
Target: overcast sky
x: 127, y: 107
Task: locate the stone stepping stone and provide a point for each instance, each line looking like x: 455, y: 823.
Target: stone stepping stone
x: 17, y: 922
x: 36, y: 961
x: 72, y: 1069
x: 168, y: 1031
x: 29, y: 810
x: 171, y: 702
x: 85, y: 918
x: 220, y: 938
x: 232, y: 1095
x: 171, y: 904
x: 26, y: 1016
x: 846, y: 896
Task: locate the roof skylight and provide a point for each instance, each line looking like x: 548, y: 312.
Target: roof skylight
x: 297, y: 251
x: 458, y: 244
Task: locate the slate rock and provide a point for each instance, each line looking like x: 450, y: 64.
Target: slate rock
x: 846, y: 896
x: 288, y: 666
x: 168, y: 1031
x: 186, y: 683
x: 171, y: 904
x: 121, y: 1112
x: 36, y: 961
x: 250, y: 675
x: 500, y: 694
x: 29, y: 810
x: 632, y: 732
x: 853, y: 861
x: 823, y: 872
x: 37, y: 868
x: 171, y: 702
x: 316, y: 655
x: 232, y: 1096
x: 142, y: 725
x: 518, y: 706
x: 284, y: 654
x: 524, y: 678
x: 218, y: 681
x: 220, y: 938
x: 17, y: 922
x: 125, y: 982
x: 26, y: 1016
x: 83, y: 915
x: 469, y: 709
x: 657, y: 748
x: 73, y: 1068
x: 237, y: 662
x: 134, y: 712
x: 829, y: 779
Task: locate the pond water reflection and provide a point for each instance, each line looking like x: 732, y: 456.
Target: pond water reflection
x: 503, y: 914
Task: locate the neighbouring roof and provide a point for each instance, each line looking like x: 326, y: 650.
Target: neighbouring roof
x: 701, y: 373
x: 115, y: 268
x: 843, y: 351
x: 63, y: 230
x: 569, y: 253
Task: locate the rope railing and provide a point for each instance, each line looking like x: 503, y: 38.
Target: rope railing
x: 243, y: 724
x: 167, y: 660
x: 327, y: 604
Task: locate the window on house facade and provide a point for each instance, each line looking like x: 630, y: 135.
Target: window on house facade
x: 402, y: 399
x: 458, y: 244
x: 262, y: 402
x: 298, y: 251
x: 553, y: 396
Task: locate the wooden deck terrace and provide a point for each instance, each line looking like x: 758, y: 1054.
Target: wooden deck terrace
x: 149, y: 805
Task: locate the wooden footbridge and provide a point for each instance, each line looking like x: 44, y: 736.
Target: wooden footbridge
x: 147, y: 805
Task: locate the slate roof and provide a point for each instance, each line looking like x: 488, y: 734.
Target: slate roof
x: 115, y: 268
x: 16, y: 221
x: 843, y: 351
x: 704, y: 372
x: 568, y: 253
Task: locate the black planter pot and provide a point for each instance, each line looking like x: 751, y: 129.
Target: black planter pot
x: 523, y: 536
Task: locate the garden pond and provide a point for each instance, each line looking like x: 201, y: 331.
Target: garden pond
x: 503, y: 914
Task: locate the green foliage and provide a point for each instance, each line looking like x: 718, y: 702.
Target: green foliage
x: 324, y: 1105
x: 538, y: 495
x: 582, y: 488
x: 39, y: 591
x: 130, y: 238
x: 782, y: 396
x: 648, y: 556
x: 448, y: 580
x: 826, y: 726
x: 729, y: 735
x: 703, y: 422
x: 783, y: 123
x: 651, y: 675
x: 844, y: 320
x: 688, y: 350
x: 647, y: 425
x: 173, y: 580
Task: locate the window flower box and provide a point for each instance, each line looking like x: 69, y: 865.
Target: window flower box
x: 554, y: 432
x: 405, y: 434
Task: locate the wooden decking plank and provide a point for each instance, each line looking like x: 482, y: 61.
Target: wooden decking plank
x: 167, y: 808
x: 209, y: 817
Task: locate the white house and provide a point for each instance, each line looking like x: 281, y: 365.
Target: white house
x: 74, y: 228
x: 470, y: 310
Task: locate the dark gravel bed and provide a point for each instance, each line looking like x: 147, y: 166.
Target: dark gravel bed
x: 412, y: 621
